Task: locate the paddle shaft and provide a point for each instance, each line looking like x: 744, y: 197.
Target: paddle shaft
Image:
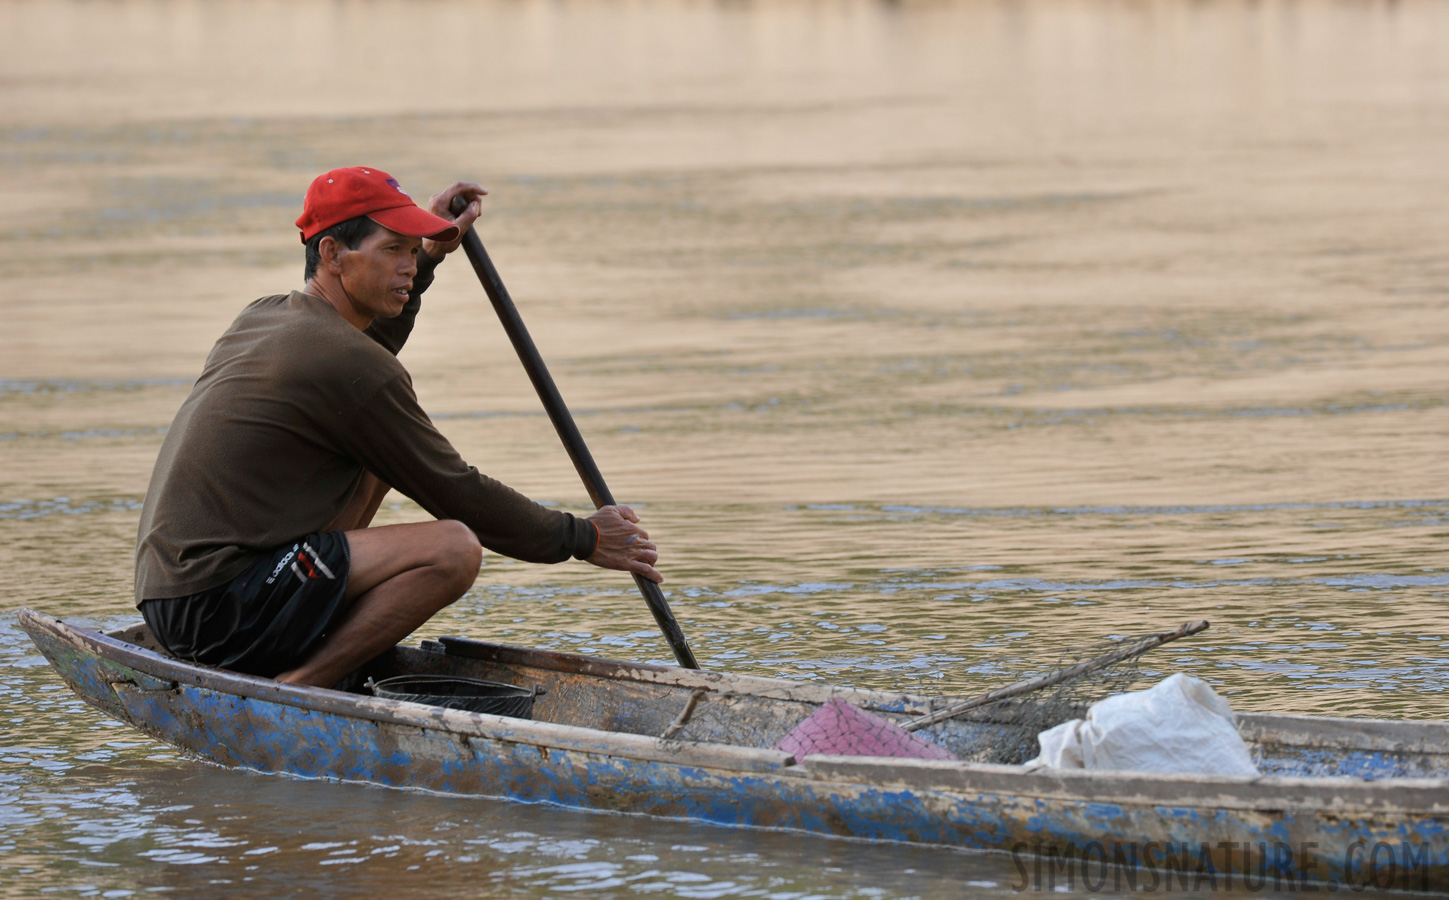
x: 563, y: 423
x: 1057, y: 676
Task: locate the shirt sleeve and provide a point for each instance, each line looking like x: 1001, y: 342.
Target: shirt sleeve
x: 393, y: 333
x: 393, y: 438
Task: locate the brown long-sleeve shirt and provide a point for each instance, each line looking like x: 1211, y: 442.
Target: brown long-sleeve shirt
x: 292, y: 405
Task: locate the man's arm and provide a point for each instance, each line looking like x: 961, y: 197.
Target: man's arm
x: 393, y: 438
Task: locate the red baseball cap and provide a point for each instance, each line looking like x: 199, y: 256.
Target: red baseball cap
x: 344, y: 194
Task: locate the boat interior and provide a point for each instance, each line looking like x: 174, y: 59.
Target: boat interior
x: 740, y: 710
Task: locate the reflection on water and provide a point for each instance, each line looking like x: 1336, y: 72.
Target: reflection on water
x: 203, y: 831
x: 931, y: 339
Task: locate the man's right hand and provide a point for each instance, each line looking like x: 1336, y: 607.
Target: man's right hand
x: 623, y: 545
x: 441, y: 205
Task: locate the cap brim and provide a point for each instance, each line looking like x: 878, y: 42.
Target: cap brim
x: 415, y: 222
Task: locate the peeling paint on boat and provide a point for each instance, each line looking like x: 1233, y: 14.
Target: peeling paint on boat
x: 1331, y: 827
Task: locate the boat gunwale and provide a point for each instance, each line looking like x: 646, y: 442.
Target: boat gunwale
x: 692, y: 679
x: 1391, y: 735
x: 1337, y: 795
x: 1266, y: 792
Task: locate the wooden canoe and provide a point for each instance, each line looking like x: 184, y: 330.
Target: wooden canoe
x: 1352, y: 802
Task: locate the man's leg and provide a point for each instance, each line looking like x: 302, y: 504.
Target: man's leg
x: 400, y: 576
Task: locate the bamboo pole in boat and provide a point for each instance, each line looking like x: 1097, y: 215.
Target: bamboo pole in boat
x: 1057, y: 676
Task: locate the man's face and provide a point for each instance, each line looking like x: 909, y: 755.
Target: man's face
x: 379, y: 273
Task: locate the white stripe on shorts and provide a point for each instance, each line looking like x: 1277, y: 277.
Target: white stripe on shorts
x: 317, y: 561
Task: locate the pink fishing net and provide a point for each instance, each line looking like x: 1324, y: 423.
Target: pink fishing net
x: 843, y: 730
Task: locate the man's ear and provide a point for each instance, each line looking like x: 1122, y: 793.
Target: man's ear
x: 330, y: 251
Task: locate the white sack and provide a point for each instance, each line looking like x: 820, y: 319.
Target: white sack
x: 1178, y: 725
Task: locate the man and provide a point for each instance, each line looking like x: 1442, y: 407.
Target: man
x: 254, y: 551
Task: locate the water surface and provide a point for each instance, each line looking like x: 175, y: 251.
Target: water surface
x: 931, y: 339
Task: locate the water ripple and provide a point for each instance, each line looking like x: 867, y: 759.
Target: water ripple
x: 65, y: 506
x: 85, y: 385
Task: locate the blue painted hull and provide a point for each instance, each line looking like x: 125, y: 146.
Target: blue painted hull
x: 1057, y: 825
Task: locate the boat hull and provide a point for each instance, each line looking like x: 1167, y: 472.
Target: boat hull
x: 1058, y: 826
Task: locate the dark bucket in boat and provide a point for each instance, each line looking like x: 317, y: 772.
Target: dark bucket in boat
x: 471, y: 694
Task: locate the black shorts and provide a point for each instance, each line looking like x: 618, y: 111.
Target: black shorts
x: 267, y: 619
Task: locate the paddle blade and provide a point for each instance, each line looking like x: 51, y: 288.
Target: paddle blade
x: 839, y: 729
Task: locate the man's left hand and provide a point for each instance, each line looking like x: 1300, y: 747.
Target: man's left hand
x: 623, y: 544
x: 441, y: 205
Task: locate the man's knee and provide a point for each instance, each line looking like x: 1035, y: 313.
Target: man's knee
x: 446, y: 552
x: 462, y: 554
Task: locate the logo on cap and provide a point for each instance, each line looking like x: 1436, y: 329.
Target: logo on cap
x: 393, y: 182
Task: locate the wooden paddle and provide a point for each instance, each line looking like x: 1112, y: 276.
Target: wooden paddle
x: 563, y: 422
